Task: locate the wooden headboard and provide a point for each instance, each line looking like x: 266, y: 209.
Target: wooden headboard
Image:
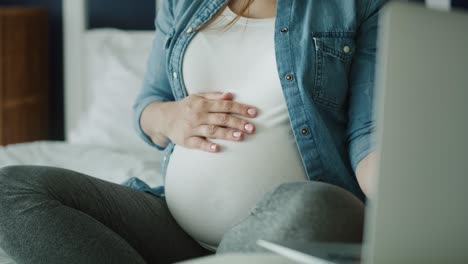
x: 82, y: 15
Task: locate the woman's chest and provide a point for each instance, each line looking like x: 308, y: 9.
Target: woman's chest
x: 312, y: 45
x: 239, y: 59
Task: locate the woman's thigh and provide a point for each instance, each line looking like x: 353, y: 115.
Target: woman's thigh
x: 141, y: 219
x: 299, y: 211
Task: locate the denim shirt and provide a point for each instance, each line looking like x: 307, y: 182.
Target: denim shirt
x: 325, y: 53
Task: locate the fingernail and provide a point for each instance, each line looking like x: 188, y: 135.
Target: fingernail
x: 252, y: 111
x: 213, y: 146
x: 249, y: 127
x: 237, y: 134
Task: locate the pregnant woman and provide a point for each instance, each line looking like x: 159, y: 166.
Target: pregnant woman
x: 263, y: 111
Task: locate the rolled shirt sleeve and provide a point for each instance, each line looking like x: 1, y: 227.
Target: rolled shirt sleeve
x: 156, y: 87
x: 361, y: 125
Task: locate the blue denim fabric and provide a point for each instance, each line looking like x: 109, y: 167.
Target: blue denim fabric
x: 138, y: 184
x: 325, y: 51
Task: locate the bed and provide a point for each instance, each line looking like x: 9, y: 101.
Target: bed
x: 104, y: 68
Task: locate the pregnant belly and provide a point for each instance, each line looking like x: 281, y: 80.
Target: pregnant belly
x: 209, y: 193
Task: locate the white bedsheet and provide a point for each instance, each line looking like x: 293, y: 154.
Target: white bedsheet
x: 100, y: 162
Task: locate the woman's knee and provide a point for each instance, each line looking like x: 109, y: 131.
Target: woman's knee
x: 310, y: 199
x: 8, y: 175
x: 21, y: 179
x: 331, y: 213
x: 300, y: 211
x: 314, y: 196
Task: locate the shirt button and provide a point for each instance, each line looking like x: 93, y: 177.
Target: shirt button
x: 346, y: 49
x: 289, y: 77
x: 189, y: 30
x: 305, y: 131
x: 284, y: 30
x: 174, y: 75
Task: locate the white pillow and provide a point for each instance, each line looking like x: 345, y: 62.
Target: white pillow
x: 115, y: 67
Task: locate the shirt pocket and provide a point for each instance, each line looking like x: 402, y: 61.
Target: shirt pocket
x: 334, y: 52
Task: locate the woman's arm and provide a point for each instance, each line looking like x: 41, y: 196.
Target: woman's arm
x: 362, y: 81
x: 365, y: 171
x: 153, y: 121
x: 156, y: 86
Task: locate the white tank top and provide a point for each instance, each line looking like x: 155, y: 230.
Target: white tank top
x: 209, y: 193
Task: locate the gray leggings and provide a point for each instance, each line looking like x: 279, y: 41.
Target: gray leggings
x: 52, y: 215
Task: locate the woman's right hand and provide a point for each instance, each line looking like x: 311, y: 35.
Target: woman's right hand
x: 193, y: 120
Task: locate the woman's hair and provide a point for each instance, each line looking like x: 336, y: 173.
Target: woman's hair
x: 245, y: 6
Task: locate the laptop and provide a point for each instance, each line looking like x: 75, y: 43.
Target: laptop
x: 420, y: 211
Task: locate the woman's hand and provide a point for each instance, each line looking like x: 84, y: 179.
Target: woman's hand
x: 196, y: 118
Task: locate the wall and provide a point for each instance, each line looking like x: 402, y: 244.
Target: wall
x: 454, y: 3
x: 123, y: 14
x: 460, y: 3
